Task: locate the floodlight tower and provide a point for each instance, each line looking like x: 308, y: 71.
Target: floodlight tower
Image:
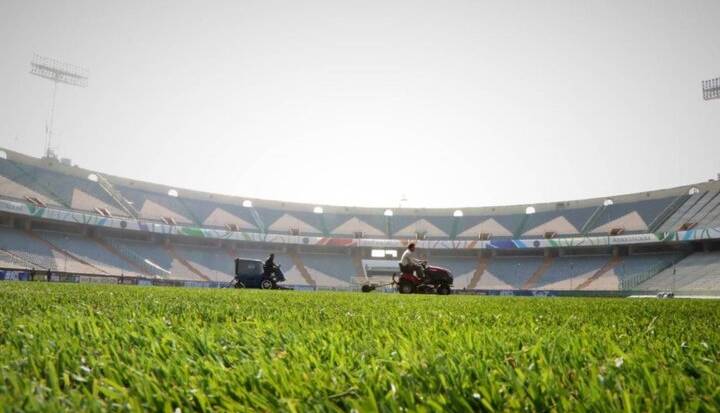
x: 711, y: 88
x: 58, y: 72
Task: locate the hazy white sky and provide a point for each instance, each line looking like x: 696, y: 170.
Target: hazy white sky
x: 450, y: 103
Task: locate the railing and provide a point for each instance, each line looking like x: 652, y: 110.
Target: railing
x: 126, y: 205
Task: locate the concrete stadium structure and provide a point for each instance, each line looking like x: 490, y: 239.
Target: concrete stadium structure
x: 84, y: 225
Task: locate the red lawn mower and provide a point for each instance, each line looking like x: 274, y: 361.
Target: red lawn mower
x: 436, y: 280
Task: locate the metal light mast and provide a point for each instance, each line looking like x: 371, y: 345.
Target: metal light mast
x: 58, y: 72
x: 711, y: 88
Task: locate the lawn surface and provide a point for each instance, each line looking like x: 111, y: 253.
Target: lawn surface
x: 92, y: 347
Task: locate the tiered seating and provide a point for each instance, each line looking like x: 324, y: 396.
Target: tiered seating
x: 632, y: 217
x: 497, y: 227
x: 289, y: 222
x: 55, y: 184
x: 509, y: 273
x: 15, y: 183
x: 9, y: 261
x: 643, y: 264
x: 709, y: 217
x: 218, y: 264
x: 568, y: 273
x: 27, y: 249
x: 701, y: 210
x: 91, y: 252
x: 633, y: 267
x: 214, y: 214
x: 329, y: 270
x: 462, y: 268
x: 698, y: 272
x: 344, y: 226
x: 65, y: 188
x: 563, y: 222
x: 155, y: 259
x: 213, y: 263
x: 157, y: 206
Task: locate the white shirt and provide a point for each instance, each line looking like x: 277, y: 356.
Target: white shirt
x: 409, y: 258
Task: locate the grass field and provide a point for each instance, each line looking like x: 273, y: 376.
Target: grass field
x: 89, y: 347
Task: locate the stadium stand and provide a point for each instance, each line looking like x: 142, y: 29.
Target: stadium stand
x: 215, y: 264
x: 56, y: 184
x: 700, y: 210
x: 496, y: 226
x: 11, y: 262
x: 157, y: 260
x: 462, y: 268
x: 509, y: 273
x: 698, y: 272
x: 330, y: 270
x: 329, y: 260
x: 25, y: 248
x: 567, y: 273
x: 98, y: 258
x: 629, y: 271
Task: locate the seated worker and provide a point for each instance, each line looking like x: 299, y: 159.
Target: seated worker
x: 411, y: 263
x: 269, y: 266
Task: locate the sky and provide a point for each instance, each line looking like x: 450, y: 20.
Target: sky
x: 373, y: 103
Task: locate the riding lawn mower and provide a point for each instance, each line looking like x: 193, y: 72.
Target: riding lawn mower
x: 435, y: 280
x: 249, y: 273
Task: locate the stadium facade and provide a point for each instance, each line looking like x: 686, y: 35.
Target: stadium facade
x: 82, y: 225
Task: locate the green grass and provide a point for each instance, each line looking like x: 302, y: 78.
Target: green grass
x: 89, y: 347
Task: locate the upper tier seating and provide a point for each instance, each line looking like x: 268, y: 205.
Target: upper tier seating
x: 701, y: 210
x: 56, y: 185
x: 53, y: 188
x: 631, y: 217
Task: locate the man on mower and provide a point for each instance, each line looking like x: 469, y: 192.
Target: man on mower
x: 269, y: 266
x: 411, y: 263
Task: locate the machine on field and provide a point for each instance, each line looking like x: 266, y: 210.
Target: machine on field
x: 249, y: 273
x: 436, y: 280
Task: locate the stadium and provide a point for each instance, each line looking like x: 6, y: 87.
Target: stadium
x: 87, y: 226
x: 376, y: 206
